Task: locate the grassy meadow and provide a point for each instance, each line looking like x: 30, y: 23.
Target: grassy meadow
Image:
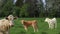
x: 42, y: 27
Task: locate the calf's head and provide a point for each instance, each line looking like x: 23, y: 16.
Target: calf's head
x: 22, y: 21
x: 47, y: 19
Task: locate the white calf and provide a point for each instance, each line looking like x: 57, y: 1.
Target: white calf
x: 51, y: 22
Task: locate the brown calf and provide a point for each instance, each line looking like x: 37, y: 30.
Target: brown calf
x: 30, y: 23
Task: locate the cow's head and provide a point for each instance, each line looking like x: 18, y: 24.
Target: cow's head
x: 10, y: 18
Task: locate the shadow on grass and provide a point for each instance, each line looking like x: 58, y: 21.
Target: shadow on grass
x: 32, y: 33
x: 19, y: 26
x: 59, y: 33
x: 43, y: 33
x: 22, y: 32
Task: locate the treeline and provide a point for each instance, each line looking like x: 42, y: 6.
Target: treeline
x: 28, y: 9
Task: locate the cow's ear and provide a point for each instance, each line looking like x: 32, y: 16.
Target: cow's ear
x: 15, y: 17
x: 6, y: 18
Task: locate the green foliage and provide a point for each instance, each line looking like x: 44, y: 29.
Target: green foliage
x: 29, y: 8
x: 23, y: 10
x: 6, y: 9
x: 52, y: 11
x: 41, y: 10
x: 16, y: 11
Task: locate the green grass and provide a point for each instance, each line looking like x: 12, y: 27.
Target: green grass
x: 42, y: 27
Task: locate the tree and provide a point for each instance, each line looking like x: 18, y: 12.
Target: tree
x: 23, y: 11
x: 6, y: 9
x: 16, y: 11
x: 41, y: 9
x: 19, y: 3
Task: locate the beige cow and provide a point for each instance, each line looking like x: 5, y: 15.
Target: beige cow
x: 6, y: 24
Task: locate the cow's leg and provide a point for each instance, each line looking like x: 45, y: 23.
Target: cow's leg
x: 25, y: 28
x: 49, y: 26
x: 33, y: 27
x: 7, y: 32
x: 55, y: 25
x: 36, y: 28
x: 1, y: 32
x: 52, y: 26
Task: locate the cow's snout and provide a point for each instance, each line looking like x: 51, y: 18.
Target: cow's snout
x: 12, y: 25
